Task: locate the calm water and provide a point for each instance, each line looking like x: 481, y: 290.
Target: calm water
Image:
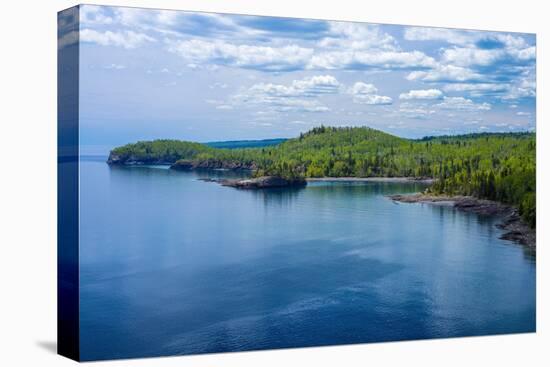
x: 174, y: 265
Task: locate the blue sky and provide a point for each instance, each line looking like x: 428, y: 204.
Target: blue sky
x: 149, y: 74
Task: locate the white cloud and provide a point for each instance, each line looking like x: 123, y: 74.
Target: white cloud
x: 479, y: 63
x: 126, y: 39
x: 299, y: 96
x: 298, y: 105
x: 357, y: 36
x: 526, y: 87
x: 362, y: 88
x: 174, y: 23
x: 422, y: 94
x: 462, y: 104
x: 321, y: 84
x: 439, y: 34
x: 361, y: 59
x: 373, y: 99
x: 446, y: 73
x: 366, y: 94
x: 510, y: 41
x: 365, y: 47
x: 308, y: 87
x: 464, y: 37
x: 260, y: 124
x: 294, y: 57
x: 465, y: 57
x: 476, y: 87
x: 525, y: 54
x: 93, y: 14
x: 290, y: 57
x: 415, y: 111
x: 145, y: 18
x: 208, y: 67
x: 512, y: 51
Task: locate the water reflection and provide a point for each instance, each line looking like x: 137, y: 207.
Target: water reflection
x: 280, y: 196
x: 164, y: 170
x: 220, y: 174
x: 369, y: 188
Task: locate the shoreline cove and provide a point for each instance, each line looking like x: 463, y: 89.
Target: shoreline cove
x: 426, y: 180
x: 514, y: 227
x: 274, y: 181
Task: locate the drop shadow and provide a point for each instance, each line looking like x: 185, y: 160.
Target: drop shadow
x: 48, y: 345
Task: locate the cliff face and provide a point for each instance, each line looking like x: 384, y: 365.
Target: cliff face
x: 187, y: 165
x: 179, y: 164
x: 114, y: 159
x: 130, y: 160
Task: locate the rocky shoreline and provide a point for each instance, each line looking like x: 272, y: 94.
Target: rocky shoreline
x: 117, y: 160
x: 426, y: 180
x: 515, y: 228
x: 180, y: 164
x: 264, y: 182
x: 189, y: 165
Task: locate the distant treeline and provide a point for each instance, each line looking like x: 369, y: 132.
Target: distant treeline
x: 497, y: 166
x: 235, y: 144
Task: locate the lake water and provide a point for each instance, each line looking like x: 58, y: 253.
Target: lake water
x: 174, y: 265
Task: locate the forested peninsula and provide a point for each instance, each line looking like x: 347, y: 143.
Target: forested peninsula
x: 493, y: 166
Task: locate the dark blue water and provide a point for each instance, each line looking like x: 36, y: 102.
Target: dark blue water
x: 174, y: 265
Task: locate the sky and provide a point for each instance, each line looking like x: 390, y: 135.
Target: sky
x: 147, y: 74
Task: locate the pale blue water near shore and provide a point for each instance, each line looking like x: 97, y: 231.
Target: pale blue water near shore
x: 174, y: 265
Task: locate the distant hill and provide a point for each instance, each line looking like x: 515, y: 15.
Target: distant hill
x: 236, y: 144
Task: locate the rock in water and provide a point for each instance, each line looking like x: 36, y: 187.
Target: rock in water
x: 264, y: 182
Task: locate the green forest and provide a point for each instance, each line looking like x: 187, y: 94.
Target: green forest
x: 495, y: 166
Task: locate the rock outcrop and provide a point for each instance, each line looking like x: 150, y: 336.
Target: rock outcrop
x: 264, y: 182
x: 179, y: 164
x: 188, y: 165
x: 131, y: 160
